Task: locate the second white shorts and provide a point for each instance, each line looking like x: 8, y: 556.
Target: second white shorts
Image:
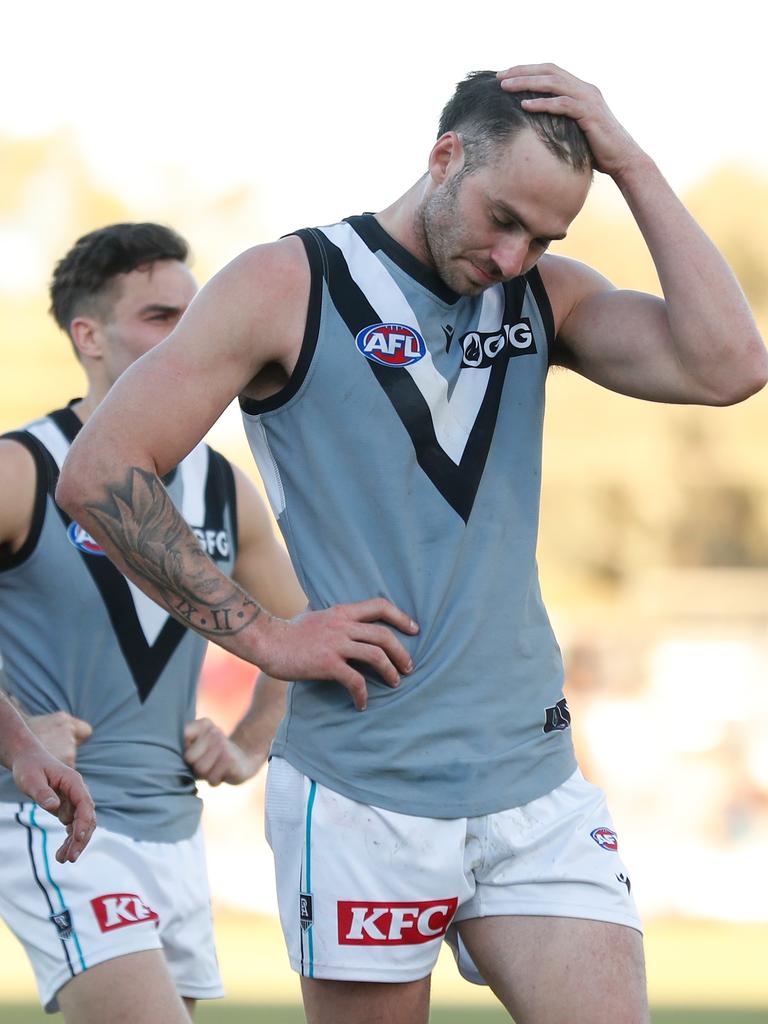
x: 366, y: 894
x: 122, y: 896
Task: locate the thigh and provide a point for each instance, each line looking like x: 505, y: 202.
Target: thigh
x: 365, y: 894
x: 557, y: 856
x: 132, y: 989
x: 178, y: 880
x: 70, y: 917
x: 552, y: 970
x: 122, y: 897
x: 330, y: 1002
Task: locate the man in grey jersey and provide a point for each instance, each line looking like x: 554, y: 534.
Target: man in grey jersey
x: 391, y: 372
x: 108, y: 679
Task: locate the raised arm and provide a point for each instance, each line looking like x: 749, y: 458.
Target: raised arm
x: 699, y: 344
x: 249, y: 317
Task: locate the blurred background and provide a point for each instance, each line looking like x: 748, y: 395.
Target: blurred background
x: 236, y: 123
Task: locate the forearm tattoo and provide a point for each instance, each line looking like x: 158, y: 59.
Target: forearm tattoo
x: 157, y: 544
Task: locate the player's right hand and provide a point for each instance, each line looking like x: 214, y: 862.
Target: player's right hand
x: 60, y: 733
x: 321, y: 645
x: 59, y: 790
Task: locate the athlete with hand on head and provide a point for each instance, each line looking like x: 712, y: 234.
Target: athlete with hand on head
x: 108, y: 680
x: 391, y: 371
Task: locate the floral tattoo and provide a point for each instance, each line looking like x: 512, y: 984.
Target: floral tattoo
x: 158, y: 545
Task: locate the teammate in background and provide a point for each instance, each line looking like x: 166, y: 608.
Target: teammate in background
x: 45, y: 780
x: 391, y: 371
x: 106, y: 676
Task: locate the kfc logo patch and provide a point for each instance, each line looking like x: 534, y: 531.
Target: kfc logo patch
x: 119, y: 909
x: 363, y: 923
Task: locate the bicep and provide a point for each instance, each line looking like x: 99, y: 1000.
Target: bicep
x: 618, y: 338
x: 621, y: 340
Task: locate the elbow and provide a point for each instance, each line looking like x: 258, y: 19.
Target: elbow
x: 69, y: 490
x: 751, y: 378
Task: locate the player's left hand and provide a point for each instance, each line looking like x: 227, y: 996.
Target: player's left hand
x: 612, y: 146
x: 214, y: 757
x: 61, y: 791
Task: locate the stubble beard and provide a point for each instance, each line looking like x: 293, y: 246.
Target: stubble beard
x: 439, y: 230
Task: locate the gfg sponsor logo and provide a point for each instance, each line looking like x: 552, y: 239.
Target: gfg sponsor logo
x: 213, y: 542
x: 365, y: 923
x: 480, y: 348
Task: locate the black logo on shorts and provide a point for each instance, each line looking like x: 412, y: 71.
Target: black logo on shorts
x: 305, y: 910
x: 63, y: 922
x: 624, y: 879
x: 558, y: 717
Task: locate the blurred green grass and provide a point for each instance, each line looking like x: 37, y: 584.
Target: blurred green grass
x: 256, y: 1013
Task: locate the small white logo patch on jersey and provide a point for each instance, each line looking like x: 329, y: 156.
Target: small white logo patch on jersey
x: 391, y: 344
x: 82, y: 540
x: 214, y: 542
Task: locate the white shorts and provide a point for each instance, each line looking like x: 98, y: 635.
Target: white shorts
x: 368, y: 895
x: 122, y: 896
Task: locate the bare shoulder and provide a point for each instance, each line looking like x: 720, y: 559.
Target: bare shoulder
x: 275, y: 271
x: 270, y: 285
x: 285, y: 258
x: 18, y: 479
x: 568, y: 282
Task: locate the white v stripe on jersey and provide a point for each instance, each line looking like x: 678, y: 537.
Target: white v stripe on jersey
x: 193, y: 499
x: 152, y: 616
x: 452, y: 417
x: 53, y: 439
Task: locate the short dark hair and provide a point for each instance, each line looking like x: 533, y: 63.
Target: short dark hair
x: 83, y: 277
x: 484, y: 114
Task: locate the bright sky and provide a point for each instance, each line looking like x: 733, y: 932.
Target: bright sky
x: 329, y: 108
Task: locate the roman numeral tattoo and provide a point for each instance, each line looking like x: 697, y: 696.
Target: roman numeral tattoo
x: 156, y: 543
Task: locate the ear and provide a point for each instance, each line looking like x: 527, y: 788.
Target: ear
x: 87, y: 337
x: 446, y: 158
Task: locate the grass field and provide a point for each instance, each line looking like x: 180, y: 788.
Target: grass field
x: 254, y: 1013
x: 698, y: 973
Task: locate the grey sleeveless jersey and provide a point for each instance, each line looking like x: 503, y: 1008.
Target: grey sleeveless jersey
x: 76, y: 635
x: 403, y: 459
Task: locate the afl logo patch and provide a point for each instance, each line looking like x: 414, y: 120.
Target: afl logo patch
x: 82, y: 540
x: 606, y: 838
x: 391, y: 344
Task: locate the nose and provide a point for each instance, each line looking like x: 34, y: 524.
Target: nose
x: 509, y: 255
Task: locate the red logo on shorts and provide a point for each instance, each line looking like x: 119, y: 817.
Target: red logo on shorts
x: 606, y: 838
x: 119, y: 909
x: 393, y: 924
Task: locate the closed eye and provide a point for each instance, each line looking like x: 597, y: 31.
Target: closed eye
x: 503, y: 222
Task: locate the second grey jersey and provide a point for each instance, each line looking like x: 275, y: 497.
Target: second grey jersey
x: 76, y: 635
x: 403, y: 460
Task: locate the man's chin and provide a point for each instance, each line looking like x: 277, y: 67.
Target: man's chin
x: 463, y: 284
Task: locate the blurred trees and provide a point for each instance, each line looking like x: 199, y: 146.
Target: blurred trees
x: 626, y: 484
